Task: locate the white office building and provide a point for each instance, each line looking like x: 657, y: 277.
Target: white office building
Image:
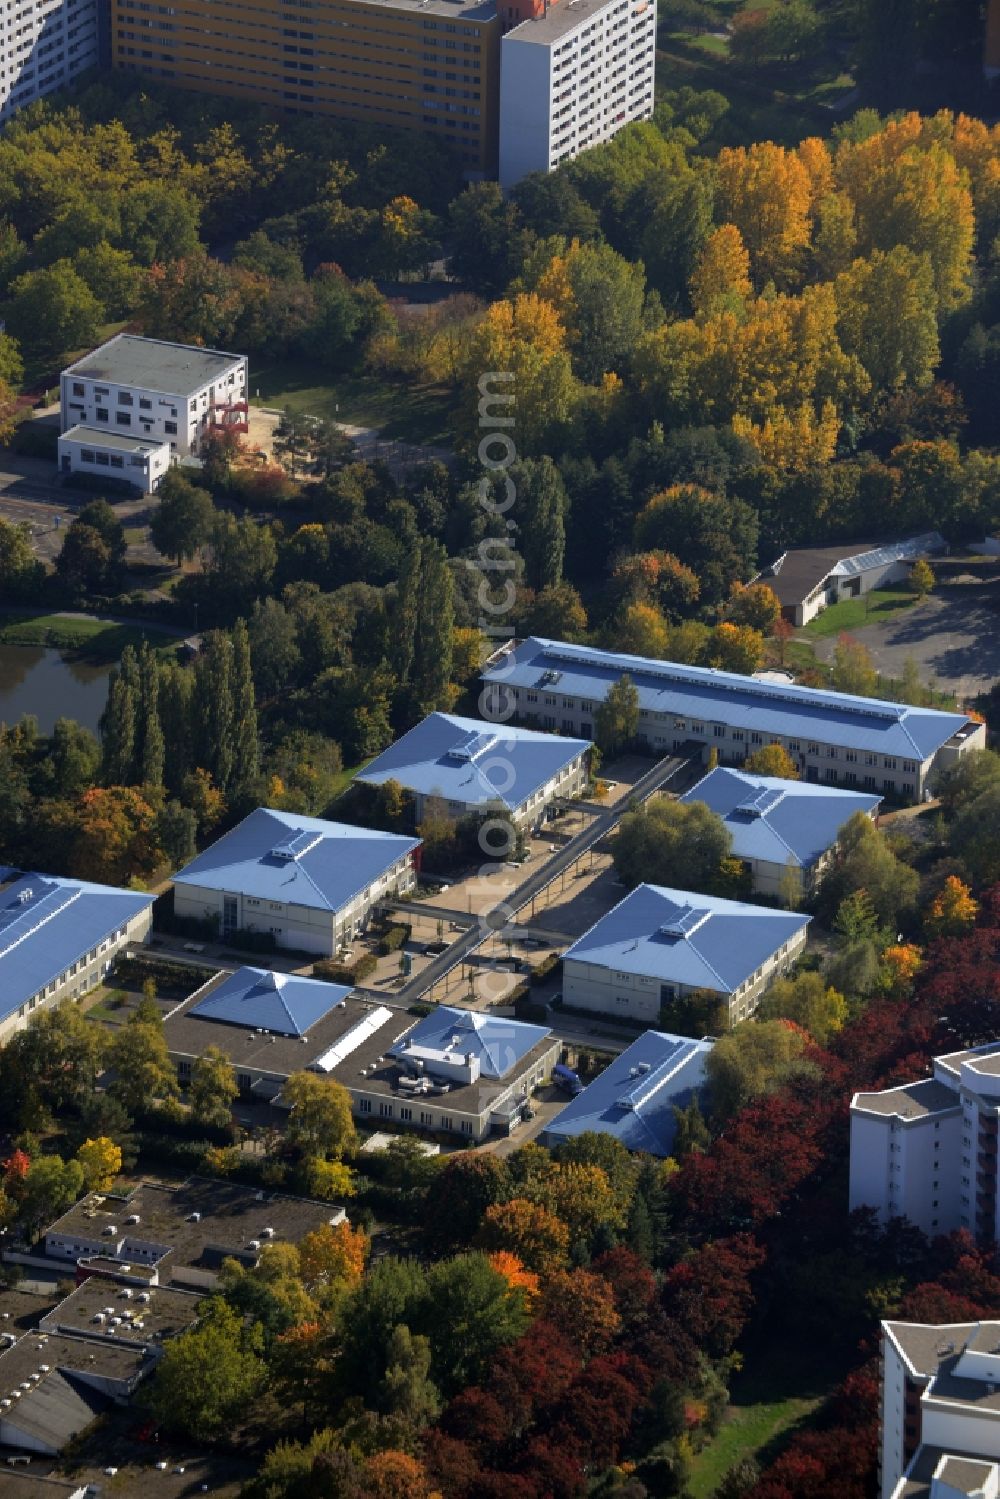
x: 940, y: 1411
x: 927, y: 1150
x: 44, y: 47
x: 571, y: 77
x: 140, y: 461
x: 154, y: 391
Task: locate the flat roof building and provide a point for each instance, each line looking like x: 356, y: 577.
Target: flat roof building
x: 780, y: 828
x: 940, y: 1433
x: 59, y: 938
x: 53, y: 1386
x: 927, y: 1150
x: 658, y: 945
x: 155, y: 391
x: 310, y: 884
x: 473, y: 767
x: 179, y: 1235
x: 634, y: 1098
x: 833, y: 737
x: 139, y: 461
x: 808, y: 580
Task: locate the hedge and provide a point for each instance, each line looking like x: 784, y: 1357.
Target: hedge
x: 335, y: 972
x: 393, y: 938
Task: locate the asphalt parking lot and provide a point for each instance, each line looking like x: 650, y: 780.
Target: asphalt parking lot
x: 953, y: 636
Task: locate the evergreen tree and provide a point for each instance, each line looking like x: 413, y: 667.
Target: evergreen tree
x: 246, y: 741
x: 540, y: 512
x: 119, y: 722
x: 433, y: 642
x: 151, y: 759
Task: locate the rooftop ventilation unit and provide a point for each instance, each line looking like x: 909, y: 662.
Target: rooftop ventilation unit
x: 684, y: 922
x: 760, y: 802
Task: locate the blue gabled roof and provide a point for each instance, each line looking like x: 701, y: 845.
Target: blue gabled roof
x: 467, y: 760
x: 47, y: 924
x: 778, y: 821
x: 261, y: 1000
x: 304, y: 861
x: 635, y: 1096
x: 499, y: 1043
x: 706, y: 695
x: 678, y: 937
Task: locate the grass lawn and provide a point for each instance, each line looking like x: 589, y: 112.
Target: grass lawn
x: 346, y: 776
x: 850, y: 614
x: 779, y: 1390
x: 98, y: 640
x: 409, y: 413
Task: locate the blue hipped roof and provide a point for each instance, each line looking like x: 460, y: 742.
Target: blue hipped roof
x: 285, y: 856
x: 635, y: 1096
x: 500, y: 1044
x: 467, y: 760
x: 704, y: 694
x: 778, y: 821
x: 262, y: 1000
x: 697, y: 941
x: 47, y: 924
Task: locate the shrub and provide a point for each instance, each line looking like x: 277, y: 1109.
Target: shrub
x: 335, y: 972
x: 546, y: 968
x: 392, y: 939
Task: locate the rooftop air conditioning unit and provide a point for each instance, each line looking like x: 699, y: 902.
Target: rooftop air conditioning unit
x: 254, y: 1244
x: 127, y: 1294
x: 267, y: 1233
x: 133, y: 1218
x: 98, y: 1316
x: 109, y: 1230
x: 5, y: 1403
x: 194, y: 1217
x: 44, y: 1368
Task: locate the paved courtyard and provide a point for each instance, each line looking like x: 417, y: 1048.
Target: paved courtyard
x: 953, y: 636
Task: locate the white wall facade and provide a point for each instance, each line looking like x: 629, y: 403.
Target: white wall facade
x: 563, y: 89
x: 141, y: 411
x: 86, y: 454
x: 905, y: 1168
x: 43, y: 47
x: 84, y: 974
x: 301, y: 928
x: 827, y: 764
x: 640, y: 997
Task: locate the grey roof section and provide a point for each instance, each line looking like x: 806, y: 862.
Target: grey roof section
x: 986, y: 1059
x: 797, y: 573
x: 926, y: 1346
x: 59, y: 1409
x: 166, y: 1313
x: 558, y: 21
x: 911, y: 1101
x: 153, y: 364
x: 963, y: 1471
x: 117, y: 442
x: 950, y: 1389
x: 21, y: 1483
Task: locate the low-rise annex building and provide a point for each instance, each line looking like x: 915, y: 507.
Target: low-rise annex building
x: 780, y: 828
x: 59, y: 939
x: 470, y: 767
x: 308, y: 883
x: 634, y: 1098
x: 658, y: 945
x: 807, y: 580
x: 927, y: 1150
x: 940, y: 1411
x: 140, y: 461
x: 832, y: 737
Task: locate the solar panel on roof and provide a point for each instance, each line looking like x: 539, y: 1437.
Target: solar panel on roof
x: 294, y: 847
x: 684, y: 922
x: 25, y: 916
x: 760, y: 802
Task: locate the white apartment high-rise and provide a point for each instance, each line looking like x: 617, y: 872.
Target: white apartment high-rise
x: 44, y: 45
x: 927, y: 1151
x: 572, y: 74
x: 940, y: 1411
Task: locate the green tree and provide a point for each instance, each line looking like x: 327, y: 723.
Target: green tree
x: 853, y: 669
x: 487, y: 239
x: 112, y: 276
x: 213, y: 1087
x: 181, y: 524
x: 57, y: 1057
x: 53, y: 310
x: 246, y: 740
x: 772, y: 760
x: 866, y: 862
x: 809, y: 1001
x: 408, y: 1393
x: 84, y: 563
x: 20, y: 571
x: 434, y: 636
x: 921, y: 579
x: 887, y: 317
x: 616, y: 721
x: 120, y: 727
x: 150, y: 758
x: 50, y: 1187
x: 143, y: 1071
x: 754, y: 1060
x: 177, y: 832
x: 468, y: 1313
x: 539, y: 513
x: 209, y: 1376
x: 976, y: 836
x: 655, y: 843
x: 319, y: 1121
x: 691, y: 1132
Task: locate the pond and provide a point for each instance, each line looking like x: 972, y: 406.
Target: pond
x: 35, y: 679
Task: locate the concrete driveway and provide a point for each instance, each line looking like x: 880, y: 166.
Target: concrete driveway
x: 953, y: 636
